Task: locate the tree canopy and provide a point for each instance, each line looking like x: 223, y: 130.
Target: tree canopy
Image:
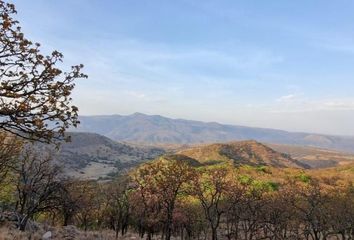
x: 35, y: 94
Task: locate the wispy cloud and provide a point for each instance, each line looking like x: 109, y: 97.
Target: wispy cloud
x: 291, y: 103
x: 286, y: 98
x: 161, y: 57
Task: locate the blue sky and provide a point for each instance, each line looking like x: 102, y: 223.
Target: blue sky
x: 278, y: 64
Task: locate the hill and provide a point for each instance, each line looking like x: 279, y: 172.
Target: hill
x: 155, y: 129
x: 91, y: 155
x: 241, y: 153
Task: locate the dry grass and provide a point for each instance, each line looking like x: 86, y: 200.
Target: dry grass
x: 66, y: 233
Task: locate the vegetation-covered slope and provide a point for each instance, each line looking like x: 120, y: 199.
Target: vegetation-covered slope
x: 243, y: 152
x: 90, y: 155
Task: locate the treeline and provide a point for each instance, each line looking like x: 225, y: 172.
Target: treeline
x: 170, y: 198
x: 166, y: 198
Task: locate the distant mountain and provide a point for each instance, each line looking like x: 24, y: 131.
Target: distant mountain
x: 155, y: 129
x: 241, y: 153
x: 91, y: 155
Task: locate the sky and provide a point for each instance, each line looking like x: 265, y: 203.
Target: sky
x: 275, y: 64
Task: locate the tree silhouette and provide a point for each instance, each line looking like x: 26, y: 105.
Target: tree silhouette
x: 35, y: 100
x: 38, y: 186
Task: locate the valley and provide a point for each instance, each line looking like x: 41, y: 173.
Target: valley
x: 93, y: 156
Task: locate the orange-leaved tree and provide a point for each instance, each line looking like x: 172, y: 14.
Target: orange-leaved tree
x: 35, y: 94
x: 160, y: 183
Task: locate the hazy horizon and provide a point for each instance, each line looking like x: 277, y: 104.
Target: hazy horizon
x: 281, y: 65
x: 223, y: 123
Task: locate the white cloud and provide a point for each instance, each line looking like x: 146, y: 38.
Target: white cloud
x: 286, y: 98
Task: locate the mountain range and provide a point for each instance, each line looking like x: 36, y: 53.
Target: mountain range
x: 156, y: 129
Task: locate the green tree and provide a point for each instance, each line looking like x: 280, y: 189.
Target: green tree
x: 210, y: 187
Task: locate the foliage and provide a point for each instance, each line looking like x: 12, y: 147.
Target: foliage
x: 35, y: 94
x: 304, y: 177
x: 10, y: 148
x: 171, y: 198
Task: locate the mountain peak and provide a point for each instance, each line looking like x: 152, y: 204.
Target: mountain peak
x: 138, y: 114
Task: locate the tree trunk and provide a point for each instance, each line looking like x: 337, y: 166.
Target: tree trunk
x: 23, y: 223
x: 117, y: 233
x: 67, y: 220
x: 169, y: 222
x: 214, y: 233
x: 168, y: 233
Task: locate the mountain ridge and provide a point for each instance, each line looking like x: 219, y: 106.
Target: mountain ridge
x: 156, y: 129
x: 212, y: 123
